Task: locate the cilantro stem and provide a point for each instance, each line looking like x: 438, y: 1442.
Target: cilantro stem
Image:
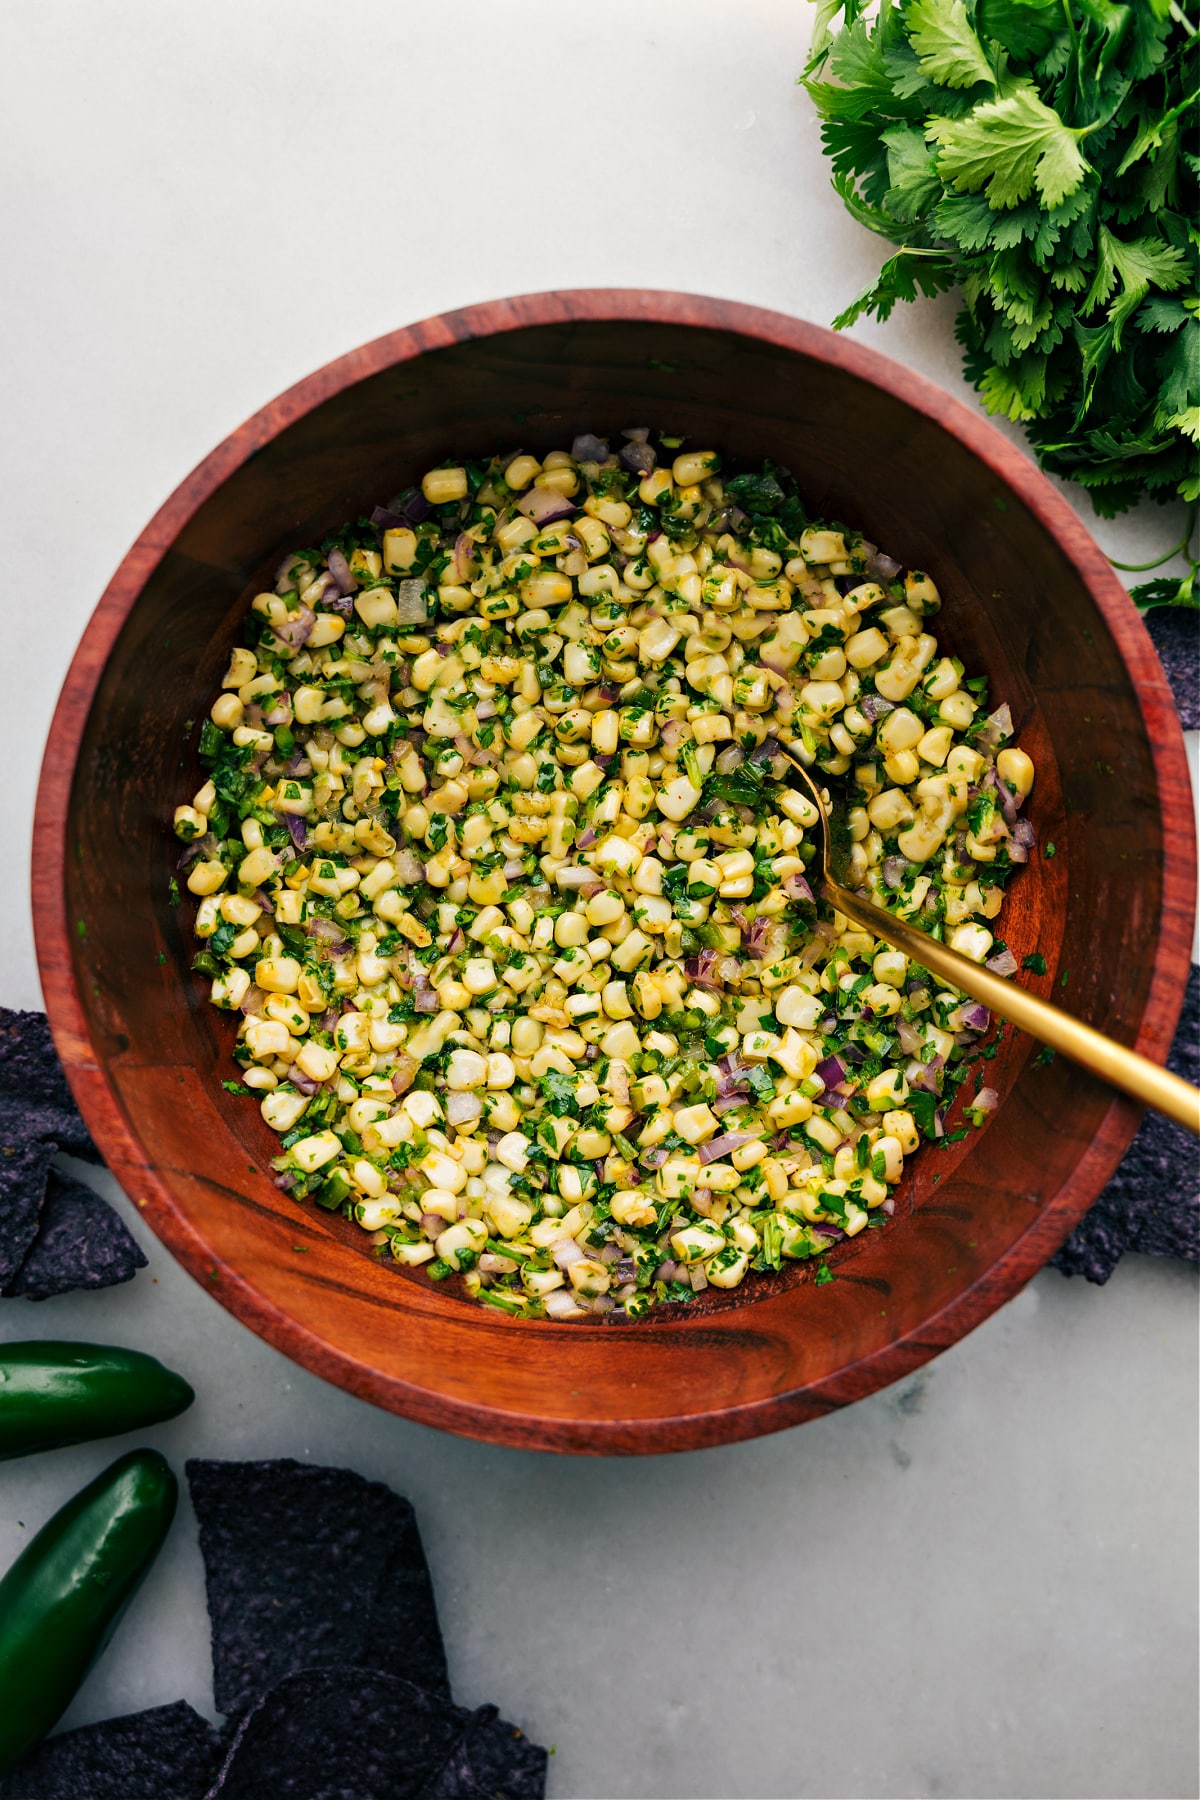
x: 1180, y: 18
x: 1175, y: 550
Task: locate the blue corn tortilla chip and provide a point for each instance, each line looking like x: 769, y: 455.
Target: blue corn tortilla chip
x: 32, y: 1079
x: 24, y: 1166
x: 168, y: 1753
x: 38, y: 1117
x: 55, y: 1235
x: 493, y: 1760
x: 81, y: 1243
x: 340, y: 1734
x: 310, y: 1567
x: 1152, y: 1203
x: 1176, y: 634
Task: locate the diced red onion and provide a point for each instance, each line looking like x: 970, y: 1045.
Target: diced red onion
x: 409, y: 867
x: 638, y: 458
x: 545, y: 506
x: 755, y: 937
x: 297, y: 631
x: 832, y: 1071
x: 340, y: 569
x: 930, y: 1077
x: 997, y: 727
x: 727, y: 1102
x: 283, y: 574
x: 411, y: 605
x: 253, y: 1004
x: 666, y: 1271
x: 458, y: 938
x: 562, y: 1304
x: 874, y: 706
x: 461, y: 557
x: 888, y: 1206
x: 725, y: 1145
x: 304, y: 1084
x: 327, y: 930
x: 589, y: 448
x: 513, y: 867
x: 910, y: 1038
x: 893, y: 871
x: 297, y: 830
x: 425, y: 1000
x: 287, y: 1181
x: 565, y: 1251
x: 699, y: 969
x: 833, y: 1232
x: 491, y: 1264
x: 880, y: 568
x: 653, y: 1158
x: 796, y: 888
x: 985, y: 1101
x: 1003, y: 963
x: 404, y: 1074
x: 1004, y: 795
x: 432, y: 1224
x: 412, y: 503
x: 974, y: 1018
x: 587, y: 839
x: 461, y: 1108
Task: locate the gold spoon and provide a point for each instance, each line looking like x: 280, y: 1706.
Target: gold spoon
x: 1121, y: 1068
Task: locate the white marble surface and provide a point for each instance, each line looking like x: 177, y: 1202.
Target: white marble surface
x: 980, y: 1583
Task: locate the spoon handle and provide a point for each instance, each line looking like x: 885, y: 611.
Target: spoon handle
x: 1121, y: 1068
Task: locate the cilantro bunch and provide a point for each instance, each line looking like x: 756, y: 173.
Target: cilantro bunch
x: 1040, y: 155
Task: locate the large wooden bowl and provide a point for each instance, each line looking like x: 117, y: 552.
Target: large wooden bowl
x: 1029, y: 599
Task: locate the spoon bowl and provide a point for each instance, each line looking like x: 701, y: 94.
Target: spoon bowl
x: 1120, y: 1067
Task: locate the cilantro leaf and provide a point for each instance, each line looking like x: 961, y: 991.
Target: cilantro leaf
x: 947, y: 49
x: 1007, y: 147
x: 1039, y: 155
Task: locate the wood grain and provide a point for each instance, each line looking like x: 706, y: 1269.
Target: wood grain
x: 1029, y: 599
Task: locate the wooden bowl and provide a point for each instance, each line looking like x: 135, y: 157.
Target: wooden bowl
x: 1029, y: 600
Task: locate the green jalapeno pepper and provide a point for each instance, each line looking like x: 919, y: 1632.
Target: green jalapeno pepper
x: 63, y: 1597
x: 52, y: 1394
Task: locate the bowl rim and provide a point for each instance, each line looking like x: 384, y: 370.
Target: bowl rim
x: 114, y: 1132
